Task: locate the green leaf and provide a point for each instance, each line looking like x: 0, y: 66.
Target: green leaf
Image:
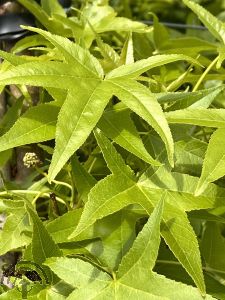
x: 120, y: 24
x: 110, y: 186
x: 115, y: 192
x: 149, y: 286
x: 11, y: 116
x: 13, y: 235
x: 189, y: 156
x: 86, y: 64
x: 213, y: 247
x: 84, y: 182
x: 111, y: 58
x: 200, y: 117
x: 180, y: 189
x: 139, y: 99
x: 76, y: 272
x: 199, y: 99
x: 78, y: 116
x: 29, y: 41
x: 49, y: 293
x: 215, y: 26
x: 146, y: 244
x: 63, y: 226
x: 116, y: 123
x: 13, y: 294
x: 43, y: 245
x: 13, y: 59
x: 213, y: 165
x: 160, y: 33
x: 46, y: 74
x: 127, y: 55
x: 52, y: 7
x: 187, y: 45
x: 117, y: 233
x: 159, y: 285
x: 5, y: 156
x: 43, y: 17
x: 132, y: 71
x: 114, y: 161
x: 36, y: 125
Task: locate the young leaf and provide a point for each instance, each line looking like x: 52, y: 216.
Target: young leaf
x: 111, y: 58
x: 146, y: 244
x: 214, y: 162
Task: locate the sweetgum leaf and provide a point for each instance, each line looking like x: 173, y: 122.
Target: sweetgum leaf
x: 76, y: 272
x: 52, y: 7
x: 116, y: 123
x: 214, y: 25
x: 139, y: 99
x: 127, y: 52
x: 42, y: 16
x: 113, y: 159
x: 13, y: 235
x: 11, y: 116
x: 213, y: 247
x: 43, y: 245
x: 35, y: 125
x: 147, y: 243
x: 133, y: 70
x: 47, y: 74
x: 86, y: 64
x: 83, y: 180
x: 200, y: 117
x: 78, y: 116
x: 214, y: 161
x: 117, y: 191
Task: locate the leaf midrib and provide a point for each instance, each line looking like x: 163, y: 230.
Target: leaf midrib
x: 75, y: 127
x: 185, y: 258
x: 21, y: 136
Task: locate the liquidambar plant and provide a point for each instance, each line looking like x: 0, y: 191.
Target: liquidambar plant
x: 124, y: 146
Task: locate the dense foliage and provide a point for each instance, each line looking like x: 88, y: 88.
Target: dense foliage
x: 125, y: 146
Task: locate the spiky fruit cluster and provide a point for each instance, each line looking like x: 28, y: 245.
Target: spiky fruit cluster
x: 31, y: 159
